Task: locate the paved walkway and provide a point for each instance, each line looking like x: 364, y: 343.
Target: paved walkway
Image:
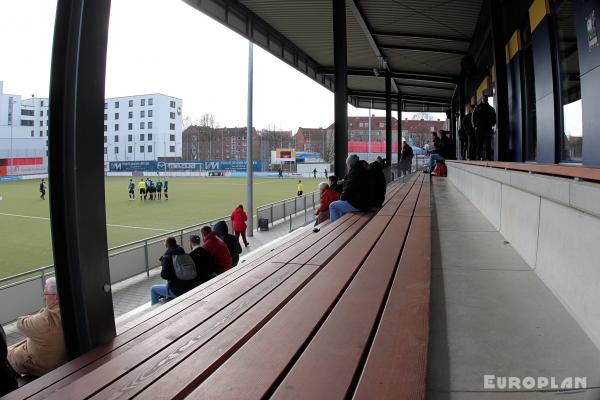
x: 132, y: 296
x: 492, y: 315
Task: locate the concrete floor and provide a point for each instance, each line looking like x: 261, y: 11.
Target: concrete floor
x: 492, y: 315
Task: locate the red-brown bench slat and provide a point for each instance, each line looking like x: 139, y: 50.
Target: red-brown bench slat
x: 252, y: 370
x: 327, y: 366
x: 396, y: 366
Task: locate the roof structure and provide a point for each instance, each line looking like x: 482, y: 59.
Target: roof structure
x: 420, y: 43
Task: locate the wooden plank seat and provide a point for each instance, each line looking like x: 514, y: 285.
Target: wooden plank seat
x: 280, y: 297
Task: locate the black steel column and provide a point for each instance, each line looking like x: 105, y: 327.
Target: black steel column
x: 76, y: 171
x: 340, y: 87
x: 388, y: 122
x: 501, y: 150
x: 399, y: 130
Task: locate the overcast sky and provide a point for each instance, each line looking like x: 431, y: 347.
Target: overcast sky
x: 168, y: 47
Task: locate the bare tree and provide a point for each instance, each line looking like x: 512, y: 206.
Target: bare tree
x: 207, y: 120
x: 422, y: 116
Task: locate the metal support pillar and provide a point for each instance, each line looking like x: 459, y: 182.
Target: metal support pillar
x: 340, y: 87
x: 76, y: 175
x: 249, y: 169
x: 399, y: 132
x: 388, y: 124
x: 501, y: 148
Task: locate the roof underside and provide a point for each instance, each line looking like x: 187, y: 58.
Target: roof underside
x: 421, y: 43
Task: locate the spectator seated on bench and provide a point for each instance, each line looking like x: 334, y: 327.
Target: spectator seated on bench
x: 217, y: 249
x: 8, y: 380
x: 436, y: 153
x: 327, y: 197
x: 357, y: 191
x: 44, y: 349
x: 232, y: 242
x: 176, y: 285
x: 379, y: 181
x: 205, y: 266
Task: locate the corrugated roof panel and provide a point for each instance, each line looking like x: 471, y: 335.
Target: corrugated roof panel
x: 424, y: 62
x: 368, y: 83
x: 420, y: 42
x: 426, y: 92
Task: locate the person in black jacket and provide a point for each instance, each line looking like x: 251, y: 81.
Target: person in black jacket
x: 203, y: 261
x: 469, y: 131
x: 376, y: 171
x: 357, y: 192
x: 233, y: 244
x: 174, y: 287
x: 484, y: 120
x: 406, y: 157
x: 335, y: 184
x: 8, y: 381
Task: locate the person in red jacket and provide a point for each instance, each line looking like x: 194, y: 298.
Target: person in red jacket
x: 238, y: 221
x: 328, y: 196
x: 217, y: 249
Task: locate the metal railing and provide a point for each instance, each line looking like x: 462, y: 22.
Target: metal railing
x: 22, y: 294
x: 289, y: 208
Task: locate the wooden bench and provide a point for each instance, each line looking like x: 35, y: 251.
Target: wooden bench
x: 315, y: 316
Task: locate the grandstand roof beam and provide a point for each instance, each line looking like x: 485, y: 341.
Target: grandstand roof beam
x: 414, y: 76
x: 425, y: 49
x: 406, y: 35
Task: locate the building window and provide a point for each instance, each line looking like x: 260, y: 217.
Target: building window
x: 142, y: 137
x: 116, y: 138
x: 41, y: 133
x: 105, y: 128
x: 149, y: 125
x: 129, y: 126
x: 26, y: 123
x: 116, y: 150
x: 42, y: 103
x: 149, y: 149
x: 172, y: 149
x: 570, y: 84
x: 116, y: 115
x: 41, y: 123
x: 142, y: 102
x: 130, y: 103
x: 172, y: 115
x: 149, y: 113
x: 172, y: 127
x: 141, y: 149
x: 116, y: 104
x: 130, y: 149
x: 149, y: 136
x: 105, y: 117
x: 41, y: 113
x: 142, y: 114
x: 172, y: 104
x: 129, y: 138
x: 142, y: 125
x: 105, y: 139
x: 105, y: 106
x: 46, y: 122
x: 31, y: 133
x: 105, y: 150
x: 150, y: 101
x: 172, y: 138
x: 28, y: 113
x: 130, y: 114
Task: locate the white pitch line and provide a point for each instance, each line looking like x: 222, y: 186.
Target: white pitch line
x: 111, y: 225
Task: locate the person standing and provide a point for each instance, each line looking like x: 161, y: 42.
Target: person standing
x: 238, y: 222
x: 484, y: 120
x: 300, y: 188
x: 469, y: 131
x: 142, y: 188
x: 131, y: 190
x: 43, y: 190
x: 315, y: 173
x: 159, y: 186
x: 280, y: 173
x: 406, y: 157
x: 325, y: 173
x: 166, y: 189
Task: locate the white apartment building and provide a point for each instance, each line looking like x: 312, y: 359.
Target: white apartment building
x: 23, y: 126
x: 142, y: 127
x: 136, y: 128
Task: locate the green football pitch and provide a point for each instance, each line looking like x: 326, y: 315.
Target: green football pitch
x: 25, y: 227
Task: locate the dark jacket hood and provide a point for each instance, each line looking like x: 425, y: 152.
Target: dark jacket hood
x: 221, y: 228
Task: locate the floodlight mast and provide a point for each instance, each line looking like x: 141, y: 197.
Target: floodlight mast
x: 249, y: 172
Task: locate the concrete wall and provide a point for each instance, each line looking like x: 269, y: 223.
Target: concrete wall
x: 554, y: 224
